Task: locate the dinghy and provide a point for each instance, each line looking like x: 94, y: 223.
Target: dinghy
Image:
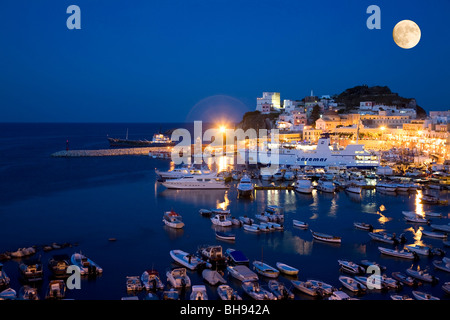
x: 350, y: 267
x: 441, y: 227
x: 441, y: 265
x: 363, y: 226
x: 322, y: 287
x: 284, y: 268
x: 225, y: 292
x: 251, y: 228
x: 226, y: 236
x: 432, y: 234
x: 423, y: 250
x: 415, y: 219
x: 405, y: 279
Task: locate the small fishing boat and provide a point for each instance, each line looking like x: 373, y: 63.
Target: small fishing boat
x: 198, y: 293
x: 252, y: 228
x: 350, y: 267
x: 151, y: 280
x: 225, y: 292
x: 227, y: 236
x: 405, y: 279
x: 186, y: 259
x: 398, y: 253
x: 262, y: 217
x: 363, y: 226
x: 56, y: 290
x: 242, y: 273
x: 422, y: 250
x: 86, y: 265
x: 173, y: 220
x: 28, y: 293
x: 352, y: 284
x: 275, y: 226
x: 422, y: 275
x: 58, y: 264
x: 419, y: 295
x: 280, y: 291
x: 254, y: 290
x: 213, y: 277
x: 386, y: 237
x: 266, y: 226
x: 325, y: 237
x: 427, y: 214
x: 305, y: 287
x: 300, y: 224
x: 265, y: 270
x: 432, y: 234
x: 236, y: 257
x: 284, y: 268
x: 178, y: 278
x: 8, y: 294
x: 133, y: 284
x: 32, y: 270
x: 441, y: 265
x: 221, y: 220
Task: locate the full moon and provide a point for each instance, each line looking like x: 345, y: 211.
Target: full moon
x: 406, y: 34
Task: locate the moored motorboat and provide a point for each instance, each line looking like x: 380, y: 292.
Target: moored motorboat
x: 236, y: 257
x: 252, y: 228
x: 386, y: 237
x: 279, y: 290
x: 198, y: 292
x: 4, y: 279
x: 178, y: 278
x: 350, y: 267
x: 58, y: 265
x: 422, y: 250
x: 213, y: 255
x: 221, y: 220
x: 245, y: 187
x: 133, y: 284
x: 151, y: 280
x: 227, y: 236
x: 56, y: 290
x: 441, y: 227
x: 352, y: 284
x: 422, y: 275
x: 254, y: 290
x: 28, y: 293
x: 8, y: 294
x: 86, y: 265
x: 303, y: 186
x: 405, y: 279
x: 173, y: 220
x: 441, y: 265
x: 186, y: 259
x: 419, y: 295
x: 433, y: 234
x: 363, y: 226
x: 398, y: 253
x: 213, y: 277
x: 32, y: 270
x: 242, y: 273
x: 225, y: 292
x: 400, y: 297
x: 305, y: 287
x: 322, y: 287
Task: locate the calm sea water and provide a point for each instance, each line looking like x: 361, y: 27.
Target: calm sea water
x: 86, y: 201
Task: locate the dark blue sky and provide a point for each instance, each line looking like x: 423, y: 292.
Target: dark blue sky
x: 169, y: 61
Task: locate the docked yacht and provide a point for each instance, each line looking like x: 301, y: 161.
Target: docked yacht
x: 303, y: 185
x: 201, y: 181
x: 323, y: 155
x: 245, y: 187
x: 326, y: 186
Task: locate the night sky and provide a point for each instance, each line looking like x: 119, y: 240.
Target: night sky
x: 185, y: 60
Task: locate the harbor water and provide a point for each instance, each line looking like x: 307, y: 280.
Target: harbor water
x: 89, y: 202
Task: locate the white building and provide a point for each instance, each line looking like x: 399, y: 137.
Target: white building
x: 268, y: 98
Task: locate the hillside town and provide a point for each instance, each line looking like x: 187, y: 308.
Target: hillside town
x: 396, y: 130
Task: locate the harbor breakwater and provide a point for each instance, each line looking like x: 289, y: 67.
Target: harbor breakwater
x: 111, y: 152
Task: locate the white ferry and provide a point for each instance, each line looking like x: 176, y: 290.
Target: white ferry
x: 322, y: 155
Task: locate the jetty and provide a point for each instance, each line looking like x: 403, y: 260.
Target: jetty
x: 112, y: 152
